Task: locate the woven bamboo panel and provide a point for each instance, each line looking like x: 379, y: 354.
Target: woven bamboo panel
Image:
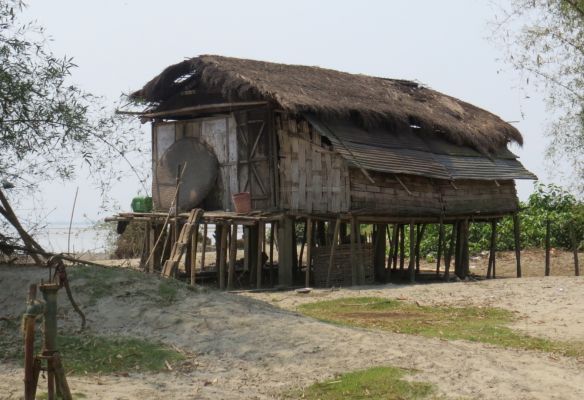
x: 341, y: 273
x: 312, y: 177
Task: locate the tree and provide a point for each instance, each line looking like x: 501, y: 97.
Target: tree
x: 49, y: 126
x: 544, y: 40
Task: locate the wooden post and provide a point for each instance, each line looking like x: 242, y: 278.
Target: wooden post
x: 232, y: 256
x: 301, y: 256
x: 458, y: 250
x: 272, y: 235
x: 194, y: 244
x: 420, y: 233
x: 285, y: 254
x: 575, y: 245
x: 411, y: 267
x: 308, y: 251
x: 360, y: 253
x: 517, y: 236
x: 380, y: 245
x: 333, y: 248
x: 395, y: 238
x: 204, y: 249
x: 402, y: 248
x: 547, y: 247
x: 321, y: 233
x: 465, y: 249
x: 260, y: 256
x: 343, y: 233
x: 440, y: 245
x: 222, y: 255
x: 492, y: 251
x: 353, y: 256
x: 448, y: 257
x: 252, y: 252
x: 151, y: 238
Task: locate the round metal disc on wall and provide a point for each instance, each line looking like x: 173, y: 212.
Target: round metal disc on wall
x: 197, y: 180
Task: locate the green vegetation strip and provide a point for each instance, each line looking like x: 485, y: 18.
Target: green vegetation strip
x: 374, y: 383
x: 87, y: 354
x: 477, y: 324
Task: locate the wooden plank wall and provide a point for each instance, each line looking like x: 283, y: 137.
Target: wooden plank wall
x: 312, y: 177
x: 429, y: 196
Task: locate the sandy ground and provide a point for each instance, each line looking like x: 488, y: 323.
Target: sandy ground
x: 255, y: 346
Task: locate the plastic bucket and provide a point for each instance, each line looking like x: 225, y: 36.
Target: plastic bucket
x: 242, y: 202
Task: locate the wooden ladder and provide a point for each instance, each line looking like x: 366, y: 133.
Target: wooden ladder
x: 171, y: 265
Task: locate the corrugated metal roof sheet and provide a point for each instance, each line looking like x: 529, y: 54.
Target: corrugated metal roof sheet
x: 416, y: 153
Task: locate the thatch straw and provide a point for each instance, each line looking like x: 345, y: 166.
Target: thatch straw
x: 334, y: 94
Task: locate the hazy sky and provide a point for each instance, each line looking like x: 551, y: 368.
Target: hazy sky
x: 119, y: 45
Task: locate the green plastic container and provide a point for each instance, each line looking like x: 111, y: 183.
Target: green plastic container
x: 142, y: 204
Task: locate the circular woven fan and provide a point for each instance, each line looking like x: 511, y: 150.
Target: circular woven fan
x: 197, y: 180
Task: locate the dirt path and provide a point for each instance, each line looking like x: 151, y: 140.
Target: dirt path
x: 246, y: 348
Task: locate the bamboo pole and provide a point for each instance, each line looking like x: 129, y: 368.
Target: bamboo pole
x: 308, y: 251
x: 260, y: 257
x: 232, y: 256
x: 547, y: 247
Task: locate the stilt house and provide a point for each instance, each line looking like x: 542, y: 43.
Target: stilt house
x: 329, y: 149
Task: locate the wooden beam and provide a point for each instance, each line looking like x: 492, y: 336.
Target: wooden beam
x: 202, y: 108
x: 402, y: 248
x: 448, y: 257
x: 360, y: 253
x: 380, y: 245
x: 272, y: 236
x: 285, y: 254
x: 204, y: 249
x: 194, y: 245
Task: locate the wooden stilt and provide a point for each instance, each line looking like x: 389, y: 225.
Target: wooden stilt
x: 411, y: 267
x: 353, y: 257
x: 204, y: 249
x: 333, y: 248
x: 222, y: 254
x: 379, y: 244
x: 492, y: 251
x: 402, y: 248
x: 360, y: 253
x: 575, y: 245
x: 517, y: 237
x: 260, y: 256
x: 301, y: 256
x: 465, y: 249
x: 547, y: 247
x: 448, y: 257
x: 420, y: 229
x: 308, y: 251
x: 440, y: 245
x: 285, y: 254
x: 232, y: 256
x: 395, y: 237
x: 194, y: 245
x: 272, y: 236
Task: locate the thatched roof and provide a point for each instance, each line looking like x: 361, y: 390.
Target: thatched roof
x: 334, y: 94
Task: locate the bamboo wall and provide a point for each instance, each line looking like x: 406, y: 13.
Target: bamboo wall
x: 428, y: 197
x: 312, y: 177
